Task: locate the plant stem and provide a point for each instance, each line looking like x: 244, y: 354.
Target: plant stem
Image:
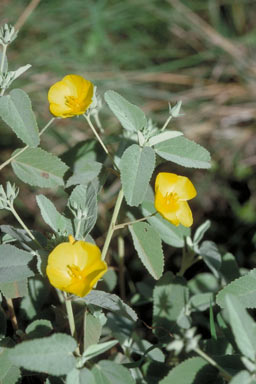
x: 3, y: 58
x: 70, y: 314
x: 12, y: 314
x: 120, y: 244
x: 224, y: 373
x: 71, y: 319
x: 18, y: 218
x: 99, y: 139
x: 26, y: 147
x: 78, y: 228
x: 111, y: 228
x: 166, y: 123
x: 120, y: 226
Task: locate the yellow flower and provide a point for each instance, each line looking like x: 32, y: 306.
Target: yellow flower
x: 171, y: 195
x: 75, y: 267
x: 71, y: 96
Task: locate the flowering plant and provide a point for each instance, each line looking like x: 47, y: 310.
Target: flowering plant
x: 60, y: 283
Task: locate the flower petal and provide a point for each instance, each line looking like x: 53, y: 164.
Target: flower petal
x: 59, y: 278
x: 61, y: 256
x: 184, y: 188
x: 77, y: 85
x: 165, y: 182
x: 165, y: 211
x: 86, y: 254
x: 184, y: 214
x: 60, y: 110
x: 58, y: 92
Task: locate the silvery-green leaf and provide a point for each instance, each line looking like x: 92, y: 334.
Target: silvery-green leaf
x: 52, y: 217
x: 109, y: 372
x: 52, y: 355
x: 136, y: 166
x: 39, y: 168
x: 16, y: 111
x: 148, y: 245
x: 97, y: 349
x: 163, y: 136
x: 243, y: 288
x: 184, y: 152
x: 130, y: 116
x: 243, y: 327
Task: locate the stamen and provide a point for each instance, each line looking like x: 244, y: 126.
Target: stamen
x: 73, y: 103
x: 75, y: 272
x: 171, y: 201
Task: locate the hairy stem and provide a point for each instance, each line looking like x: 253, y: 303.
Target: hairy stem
x: 166, y: 123
x: 206, y: 357
x: 111, y: 228
x: 26, y: 147
x: 99, y: 139
x: 120, y: 244
x: 120, y: 226
x: 18, y: 218
x: 3, y: 58
x: 12, y: 314
x: 70, y: 314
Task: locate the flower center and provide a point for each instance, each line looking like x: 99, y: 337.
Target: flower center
x: 75, y: 272
x: 171, y: 200
x: 73, y: 103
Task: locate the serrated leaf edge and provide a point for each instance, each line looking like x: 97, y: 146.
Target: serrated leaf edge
x: 153, y: 275
x: 232, y: 283
x: 121, y: 176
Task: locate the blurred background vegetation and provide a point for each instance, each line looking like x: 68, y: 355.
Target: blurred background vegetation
x: 152, y: 52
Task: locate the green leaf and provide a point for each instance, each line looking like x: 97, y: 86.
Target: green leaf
x: 52, y: 217
x: 242, y: 377
x: 9, y: 374
x: 14, y: 264
x: 23, y: 238
x: 143, y: 347
x: 39, y: 328
x: 211, y: 256
x: 14, y: 290
x: 97, y: 349
x: 170, y: 298
x: 39, y: 168
x: 53, y: 354
x: 80, y: 376
x: 108, y: 372
x: 85, y: 198
x: 184, y: 152
x: 16, y: 111
x: 191, y: 371
x: 108, y: 281
x: 229, y: 268
x: 109, y: 301
x: 148, y: 245
x: 84, y: 173
x: 92, y: 329
x: 200, y: 232
x: 243, y: 327
x: 201, y: 301
x: 130, y: 116
x: 35, y: 302
x: 163, y: 136
x: 203, y: 283
x: 168, y: 232
x: 137, y: 165
x: 243, y: 289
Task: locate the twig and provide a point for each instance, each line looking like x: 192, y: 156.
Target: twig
x: 12, y: 315
x: 26, y: 13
